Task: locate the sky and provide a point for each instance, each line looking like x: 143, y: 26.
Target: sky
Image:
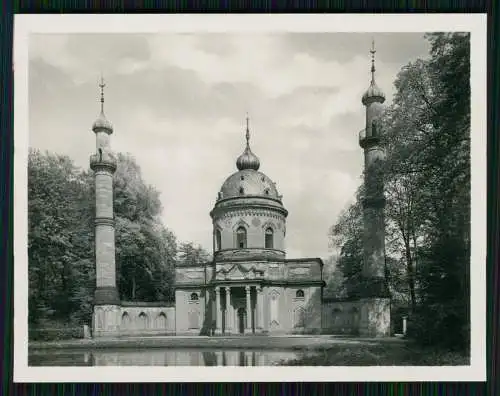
x: 178, y: 104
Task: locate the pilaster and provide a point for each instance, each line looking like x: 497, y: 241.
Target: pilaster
x: 248, y: 324
x: 229, y: 312
x: 260, y: 309
x: 218, y: 324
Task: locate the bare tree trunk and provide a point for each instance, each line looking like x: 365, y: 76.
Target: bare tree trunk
x: 410, y: 273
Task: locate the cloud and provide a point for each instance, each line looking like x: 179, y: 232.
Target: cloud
x: 178, y: 104
x: 392, y: 48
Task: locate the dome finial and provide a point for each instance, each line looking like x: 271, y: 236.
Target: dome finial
x: 248, y: 132
x: 247, y: 160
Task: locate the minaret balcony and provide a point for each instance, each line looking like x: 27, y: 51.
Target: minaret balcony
x: 102, y: 161
x: 367, y: 141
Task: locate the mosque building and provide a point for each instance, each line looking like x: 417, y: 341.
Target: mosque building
x: 249, y: 287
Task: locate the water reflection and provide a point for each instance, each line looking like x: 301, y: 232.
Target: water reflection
x: 159, y: 357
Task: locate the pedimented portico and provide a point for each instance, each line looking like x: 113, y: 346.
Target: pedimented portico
x: 239, y: 302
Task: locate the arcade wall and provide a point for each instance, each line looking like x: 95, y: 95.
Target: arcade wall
x: 284, y: 313
x: 146, y: 319
x: 340, y: 317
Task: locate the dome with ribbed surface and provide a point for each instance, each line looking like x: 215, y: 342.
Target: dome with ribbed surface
x: 248, y: 160
x: 102, y: 123
x: 248, y: 182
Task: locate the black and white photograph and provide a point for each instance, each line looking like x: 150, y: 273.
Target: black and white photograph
x: 250, y: 197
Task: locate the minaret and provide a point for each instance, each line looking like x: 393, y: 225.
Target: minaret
x: 106, y: 316
x: 375, y: 299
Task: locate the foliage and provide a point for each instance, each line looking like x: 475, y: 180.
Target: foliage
x: 191, y: 254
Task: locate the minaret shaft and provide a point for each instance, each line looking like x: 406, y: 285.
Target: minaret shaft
x: 106, y: 299
x: 375, y: 301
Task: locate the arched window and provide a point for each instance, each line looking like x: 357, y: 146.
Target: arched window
x: 193, y: 297
x: 218, y: 240
x: 299, y: 293
x: 125, y: 321
x: 269, y: 238
x: 241, y: 237
x: 161, y: 321
x: 143, y: 321
x: 242, y: 191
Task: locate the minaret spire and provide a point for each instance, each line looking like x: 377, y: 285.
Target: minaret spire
x: 373, y: 51
x: 102, y: 85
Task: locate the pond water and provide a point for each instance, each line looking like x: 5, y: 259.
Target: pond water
x: 160, y: 357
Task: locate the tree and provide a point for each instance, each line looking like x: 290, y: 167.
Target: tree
x: 59, y: 246
x: 145, y: 249
x: 347, y: 236
x: 192, y: 254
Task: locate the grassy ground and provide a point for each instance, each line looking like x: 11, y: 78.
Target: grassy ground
x: 383, y: 354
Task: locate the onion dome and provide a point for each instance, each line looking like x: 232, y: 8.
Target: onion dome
x: 373, y: 93
x: 248, y: 160
x: 102, y: 123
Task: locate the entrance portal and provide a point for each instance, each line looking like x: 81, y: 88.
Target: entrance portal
x: 242, y: 318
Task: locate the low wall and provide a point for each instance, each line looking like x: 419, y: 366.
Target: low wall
x: 340, y: 317
x: 147, y: 319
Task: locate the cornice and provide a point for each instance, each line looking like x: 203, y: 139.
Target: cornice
x: 251, y: 210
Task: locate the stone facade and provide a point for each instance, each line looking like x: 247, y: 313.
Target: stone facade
x: 249, y: 297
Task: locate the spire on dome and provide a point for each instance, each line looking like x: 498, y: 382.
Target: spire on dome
x: 247, y: 160
x: 373, y: 51
x: 102, y: 85
x: 102, y: 123
x: 248, y: 132
x: 373, y: 92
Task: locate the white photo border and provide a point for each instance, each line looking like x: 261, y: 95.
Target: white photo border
x: 24, y: 25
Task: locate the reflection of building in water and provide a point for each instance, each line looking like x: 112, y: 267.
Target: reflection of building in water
x: 177, y: 357
x: 250, y: 286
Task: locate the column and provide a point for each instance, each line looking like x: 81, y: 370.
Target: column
x: 218, y: 325
x: 229, y: 312
x: 248, y: 324
x: 260, y: 308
